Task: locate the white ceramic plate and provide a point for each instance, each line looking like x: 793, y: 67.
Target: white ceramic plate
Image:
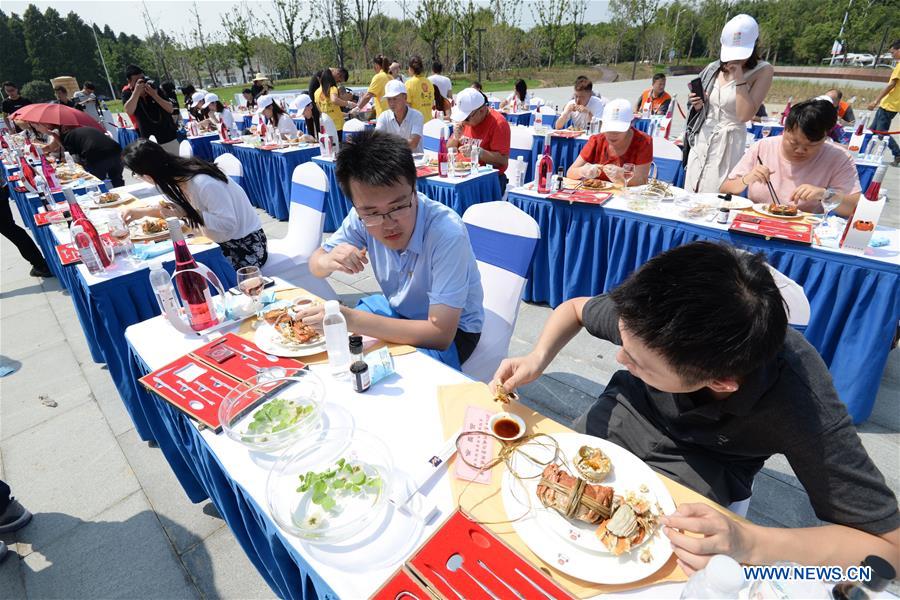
x: 123, y: 198
x: 572, y: 546
x: 763, y: 209
x: 268, y: 341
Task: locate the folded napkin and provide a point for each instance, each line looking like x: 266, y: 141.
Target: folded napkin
x: 148, y: 251
x: 878, y: 240
x: 236, y: 306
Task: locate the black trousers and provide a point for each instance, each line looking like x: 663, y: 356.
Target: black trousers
x: 107, y: 168
x: 18, y: 236
x: 4, y: 496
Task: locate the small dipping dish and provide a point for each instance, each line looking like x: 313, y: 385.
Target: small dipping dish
x: 507, y: 426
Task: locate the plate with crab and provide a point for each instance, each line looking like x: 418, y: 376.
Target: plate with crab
x: 610, y: 533
x: 282, y: 332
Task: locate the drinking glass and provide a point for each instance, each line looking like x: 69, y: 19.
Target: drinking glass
x: 628, y: 172
x: 250, y: 282
x: 121, y: 235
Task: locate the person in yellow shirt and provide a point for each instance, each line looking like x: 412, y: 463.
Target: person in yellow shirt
x: 888, y: 103
x: 419, y: 91
x: 376, y: 87
x: 329, y: 101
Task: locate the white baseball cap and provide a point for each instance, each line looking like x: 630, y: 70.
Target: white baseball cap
x: 210, y: 98
x: 301, y: 102
x: 198, y: 97
x: 467, y: 101
x: 617, y: 116
x: 738, y: 38
x: 263, y: 102
x: 394, y: 88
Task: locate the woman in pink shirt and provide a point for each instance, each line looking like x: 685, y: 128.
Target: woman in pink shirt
x: 803, y: 165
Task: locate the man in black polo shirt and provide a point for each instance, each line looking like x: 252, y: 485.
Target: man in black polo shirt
x: 716, y: 383
x: 12, y: 102
x: 99, y: 153
x: 153, y: 112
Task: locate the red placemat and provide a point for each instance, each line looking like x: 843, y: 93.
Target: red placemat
x: 270, y: 147
x: 426, y: 171
x: 198, y: 382
x: 583, y: 196
x: 789, y: 231
x: 486, y: 557
x: 231, y: 141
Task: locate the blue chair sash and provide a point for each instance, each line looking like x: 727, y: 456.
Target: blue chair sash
x: 308, y: 196
x: 667, y: 169
x: 430, y: 143
x: 510, y: 252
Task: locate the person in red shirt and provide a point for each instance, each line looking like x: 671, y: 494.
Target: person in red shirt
x: 483, y: 123
x: 617, y: 144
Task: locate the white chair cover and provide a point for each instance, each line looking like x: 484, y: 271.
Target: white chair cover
x: 185, y: 150
x: 431, y: 135
x: 288, y: 256
x: 795, y: 299
x: 503, y: 238
x: 352, y: 127
x: 231, y: 166
x: 520, y: 144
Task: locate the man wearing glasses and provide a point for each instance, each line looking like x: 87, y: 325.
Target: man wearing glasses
x: 483, y: 123
x: 419, y: 250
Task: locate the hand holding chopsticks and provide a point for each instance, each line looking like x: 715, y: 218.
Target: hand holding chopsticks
x: 765, y: 176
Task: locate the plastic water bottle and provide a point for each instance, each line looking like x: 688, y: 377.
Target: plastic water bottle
x: 86, y: 250
x: 876, y: 148
x: 520, y: 172
x: 722, y: 579
x: 163, y: 289
x: 336, y: 339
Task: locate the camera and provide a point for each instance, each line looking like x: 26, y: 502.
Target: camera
x: 149, y: 82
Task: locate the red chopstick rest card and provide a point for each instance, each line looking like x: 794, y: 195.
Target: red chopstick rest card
x: 45, y: 218
x: 68, y: 254
x: 485, y: 558
x: 790, y: 231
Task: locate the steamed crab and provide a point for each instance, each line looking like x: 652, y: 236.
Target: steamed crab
x: 593, y: 464
x: 632, y: 521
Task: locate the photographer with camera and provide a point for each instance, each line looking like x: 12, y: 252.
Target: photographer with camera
x: 86, y: 100
x: 151, y: 111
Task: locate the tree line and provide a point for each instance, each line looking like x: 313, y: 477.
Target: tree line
x: 294, y: 38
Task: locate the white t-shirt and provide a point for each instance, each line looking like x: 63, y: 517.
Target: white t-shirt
x: 412, y: 125
x: 520, y: 105
x: 286, y: 126
x: 227, y: 213
x: 581, y: 120
x: 443, y: 84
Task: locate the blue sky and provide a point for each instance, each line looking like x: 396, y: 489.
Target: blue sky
x: 173, y: 16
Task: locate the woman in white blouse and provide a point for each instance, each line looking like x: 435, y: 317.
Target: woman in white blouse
x: 218, y: 113
x: 279, y: 119
x: 201, y: 194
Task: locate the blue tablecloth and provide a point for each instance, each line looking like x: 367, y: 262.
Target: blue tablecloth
x: 855, y: 302
x: 337, y: 205
x: 642, y: 124
x: 202, y: 476
x: 525, y: 119
x: 267, y: 175
x: 866, y: 174
x: 757, y: 128
x: 201, y: 145
x: 563, y: 151
x: 126, y: 136
x: 458, y: 196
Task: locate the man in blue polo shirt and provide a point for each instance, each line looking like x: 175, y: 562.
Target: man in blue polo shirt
x: 419, y: 248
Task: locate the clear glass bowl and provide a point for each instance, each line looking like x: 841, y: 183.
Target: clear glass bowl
x: 291, y: 388
x: 297, y: 513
